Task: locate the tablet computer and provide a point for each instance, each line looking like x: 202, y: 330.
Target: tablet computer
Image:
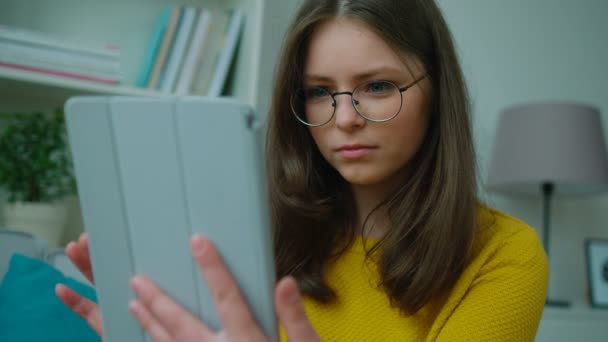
x: 151, y: 171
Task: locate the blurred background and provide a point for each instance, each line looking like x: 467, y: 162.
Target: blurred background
x: 519, y: 52
x: 512, y: 52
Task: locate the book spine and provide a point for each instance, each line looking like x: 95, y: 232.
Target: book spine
x: 195, y: 51
x: 30, y: 37
x: 211, y: 51
x: 61, y: 58
x: 225, y: 58
x: 81, y: 77
x: 157, y: 36
x: 178, y: 51
x: 165, y: 46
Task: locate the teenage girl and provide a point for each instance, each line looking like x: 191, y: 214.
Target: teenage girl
x: 379, y: 233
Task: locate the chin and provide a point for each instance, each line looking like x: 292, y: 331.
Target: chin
x: 363, y: 177
x: 371, y: 175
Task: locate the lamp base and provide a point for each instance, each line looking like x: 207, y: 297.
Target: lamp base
x: 557, y: 303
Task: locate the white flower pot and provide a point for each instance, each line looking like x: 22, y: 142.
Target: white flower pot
x: 43, y: 220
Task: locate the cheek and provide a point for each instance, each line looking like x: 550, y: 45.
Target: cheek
x: 405, y: 138
x: 319, y: 137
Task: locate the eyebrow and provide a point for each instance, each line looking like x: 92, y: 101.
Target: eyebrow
x: 371, y: 73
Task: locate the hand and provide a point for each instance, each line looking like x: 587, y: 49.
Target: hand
x: 78, y: 252
x: 165, y: 320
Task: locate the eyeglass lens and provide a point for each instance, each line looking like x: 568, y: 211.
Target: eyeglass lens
x: 376, y: 101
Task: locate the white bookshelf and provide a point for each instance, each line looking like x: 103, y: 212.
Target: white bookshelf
x: 17, y: 86
x: 129, y: 24
x: 47, y: 81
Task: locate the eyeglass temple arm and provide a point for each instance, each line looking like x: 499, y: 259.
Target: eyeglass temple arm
x: 404, y: 88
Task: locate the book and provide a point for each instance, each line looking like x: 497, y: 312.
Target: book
x: 17, y: 60
x: 46, y: 40
x: 165, y: 46
x: 82, y: 77
x: 195, y: 52
x: 227, y: 54
x: 62, y: 58
x: 178, y: 50
x: 211, y: 51
x: 158, y: 33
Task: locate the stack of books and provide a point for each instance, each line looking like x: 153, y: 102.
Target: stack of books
x: 191, y: 51
x: 38, y: 52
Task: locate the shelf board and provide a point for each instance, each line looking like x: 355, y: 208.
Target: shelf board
x: 577, y: 312
x: 58, y: 89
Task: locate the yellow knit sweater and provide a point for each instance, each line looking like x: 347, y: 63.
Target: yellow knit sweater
x: 499, y: 296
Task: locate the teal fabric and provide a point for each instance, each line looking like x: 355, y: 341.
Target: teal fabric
x: 29, y: 309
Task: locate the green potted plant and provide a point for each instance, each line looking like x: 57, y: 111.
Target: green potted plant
x: 36, y: 172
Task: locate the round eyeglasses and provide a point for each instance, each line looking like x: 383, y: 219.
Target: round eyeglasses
x: 376, y: 101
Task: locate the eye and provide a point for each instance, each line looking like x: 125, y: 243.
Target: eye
x: 378, y: 87
x: 316, y: 93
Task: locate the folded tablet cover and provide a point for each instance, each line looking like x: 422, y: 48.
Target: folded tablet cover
x: 150, y: 173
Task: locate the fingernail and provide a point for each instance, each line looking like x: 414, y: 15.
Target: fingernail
x: 135, y: 308
x: 197, y: 243
x: 291, y: 295
x: 136, y: 283
x: 71, y: 243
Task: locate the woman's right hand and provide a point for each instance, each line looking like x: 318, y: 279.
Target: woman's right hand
x: 78, y: 252
x: 292, y: 315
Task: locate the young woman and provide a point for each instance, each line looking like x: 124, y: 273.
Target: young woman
x: 373, y: 194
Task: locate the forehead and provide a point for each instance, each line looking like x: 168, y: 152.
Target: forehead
x: 340, y: 47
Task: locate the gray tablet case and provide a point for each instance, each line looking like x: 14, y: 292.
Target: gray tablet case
x: 150, y: 173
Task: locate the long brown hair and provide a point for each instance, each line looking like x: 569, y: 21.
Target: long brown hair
x: 432, y: 215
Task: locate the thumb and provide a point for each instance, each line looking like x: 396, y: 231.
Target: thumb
x: 291, y: 313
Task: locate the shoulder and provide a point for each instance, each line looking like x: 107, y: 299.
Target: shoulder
x: 501, y: 293
x: 502, y: 239
x: 508, y: 258
x: 497, y: 229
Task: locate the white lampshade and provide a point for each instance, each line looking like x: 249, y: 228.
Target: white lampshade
x: 560, y: 143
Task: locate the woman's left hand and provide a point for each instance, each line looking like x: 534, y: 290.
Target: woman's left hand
x: 167, y: 321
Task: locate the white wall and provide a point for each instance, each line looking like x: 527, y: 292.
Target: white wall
x: 521, y: 51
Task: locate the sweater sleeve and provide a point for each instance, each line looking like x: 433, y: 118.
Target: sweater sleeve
x: 506, y: 299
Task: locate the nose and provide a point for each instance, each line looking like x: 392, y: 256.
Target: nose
x: 346, y: 115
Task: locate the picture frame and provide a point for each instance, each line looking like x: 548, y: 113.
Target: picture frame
x: 596, y: 251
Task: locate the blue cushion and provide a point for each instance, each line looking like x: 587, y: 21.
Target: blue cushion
x: 30, y: 310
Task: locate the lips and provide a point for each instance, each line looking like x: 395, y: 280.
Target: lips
x: 355, y: 151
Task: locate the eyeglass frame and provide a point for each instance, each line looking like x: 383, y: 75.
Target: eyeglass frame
x: 335, y: 103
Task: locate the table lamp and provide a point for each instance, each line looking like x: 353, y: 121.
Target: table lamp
x: 548, y: 148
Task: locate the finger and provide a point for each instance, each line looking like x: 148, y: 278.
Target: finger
x: 291, y: 313
x: 231, y: 308
x: 83, y: 242
x: 172, y: 317
x: 78, y: 252
x: 86, y: 309
x: 147, y: 320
